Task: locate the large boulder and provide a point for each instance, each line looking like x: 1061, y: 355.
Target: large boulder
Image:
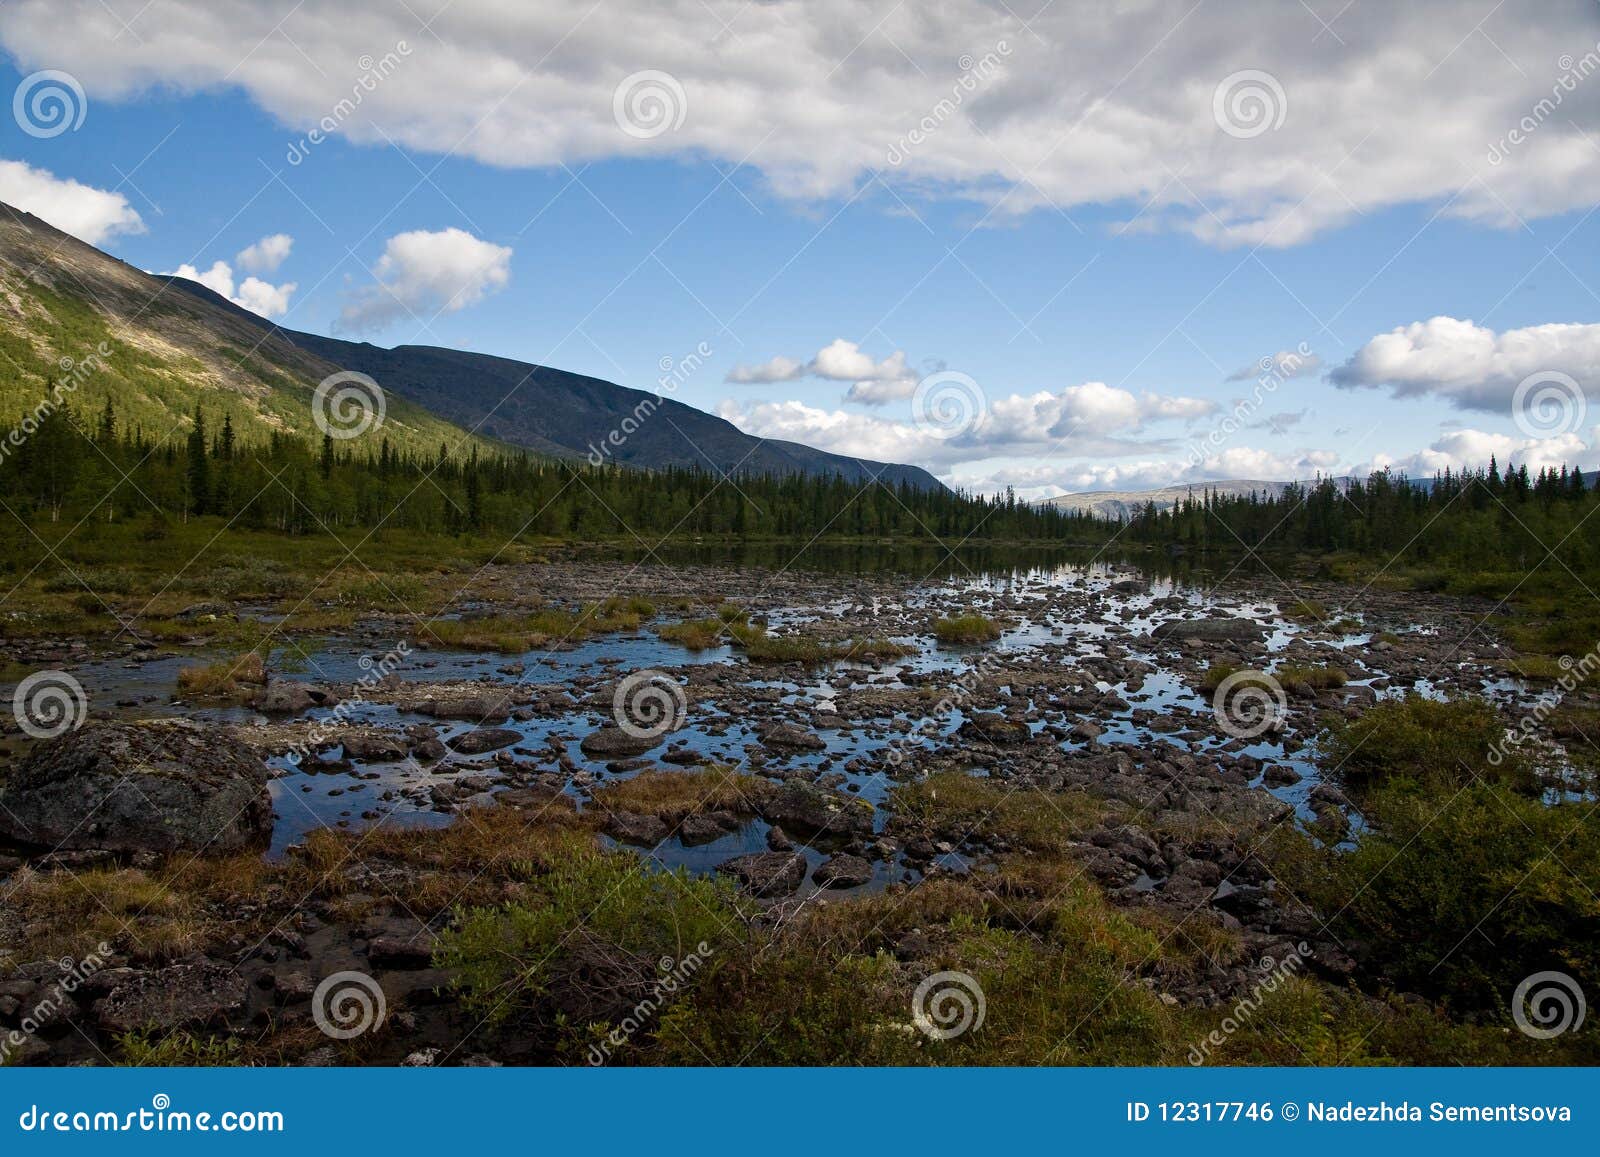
x: 161, y: 785
x: 767, y: 874
x: 806, y: 808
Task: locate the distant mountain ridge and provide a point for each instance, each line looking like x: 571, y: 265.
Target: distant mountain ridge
x: 1124, y: 504
x: 173, y: 344
x: 567, y: 415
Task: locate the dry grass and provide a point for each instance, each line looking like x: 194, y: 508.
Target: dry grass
x: 966, y: 629
x: 672, y: 795
x: 958, y: 803
x: 225, y: 679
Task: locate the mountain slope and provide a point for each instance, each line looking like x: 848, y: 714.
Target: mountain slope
x: 79, y: 319
x: 73, y: 316
x: 557, y: 412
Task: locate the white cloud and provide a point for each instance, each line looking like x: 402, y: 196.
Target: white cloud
x: 254, y: 294
x: 881, y: 391
x: 1471, y: 366
x: 843, y: 361
x: 873, y: 382
x: 777, y: 369
x: 265, y: 255
x: 1036, y: 481
x: 817, y: 94
x: 1281, y: 366
x: 89, y: 214
x: 424, y: 273
x: 1088, y: 420
x: 1470, y: 449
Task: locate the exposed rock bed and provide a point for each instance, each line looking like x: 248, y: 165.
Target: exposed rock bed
x: 1091, y: 690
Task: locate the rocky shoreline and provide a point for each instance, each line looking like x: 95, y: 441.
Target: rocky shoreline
x: 811, y: 782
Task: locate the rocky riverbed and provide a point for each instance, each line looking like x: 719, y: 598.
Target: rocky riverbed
x: 812, y: 781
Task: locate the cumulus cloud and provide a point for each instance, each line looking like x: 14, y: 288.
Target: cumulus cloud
x: 422, y: 274
x: 821, y: 94
x: 1237, y: 463
x: 844, y: 361
x: 1469, y: 449
x: 265, y: 255
x: 89, y: 214
x: 874, y: 382
x: 252, y: 293
x: 1087, y: 420
x: 1472, y: 367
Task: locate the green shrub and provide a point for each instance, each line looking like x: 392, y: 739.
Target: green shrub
x: 1435, y: 745
x: 583, y: 944
x: 966, y: 629
x: 1460, y: 896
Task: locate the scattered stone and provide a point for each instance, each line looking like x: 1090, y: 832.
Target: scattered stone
x: 179, y: 996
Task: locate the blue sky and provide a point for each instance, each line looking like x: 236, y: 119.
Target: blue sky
x: 1097, y: 309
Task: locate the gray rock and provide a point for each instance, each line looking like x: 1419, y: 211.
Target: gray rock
x: 804, y: 807
x: 481, y: 709
x: 992, y: 727
x: 843, y: 871
x: 708, y: 826
x: 789, y: 737
x: 181, y: 996
x: 1209, y: 630
x: 767, y: 874
x: 615, y: 743
x: 483, y: 739
x: 282, y: 699
x: 372, y: 748
x: 632, y: 828
x: 155, y: 786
